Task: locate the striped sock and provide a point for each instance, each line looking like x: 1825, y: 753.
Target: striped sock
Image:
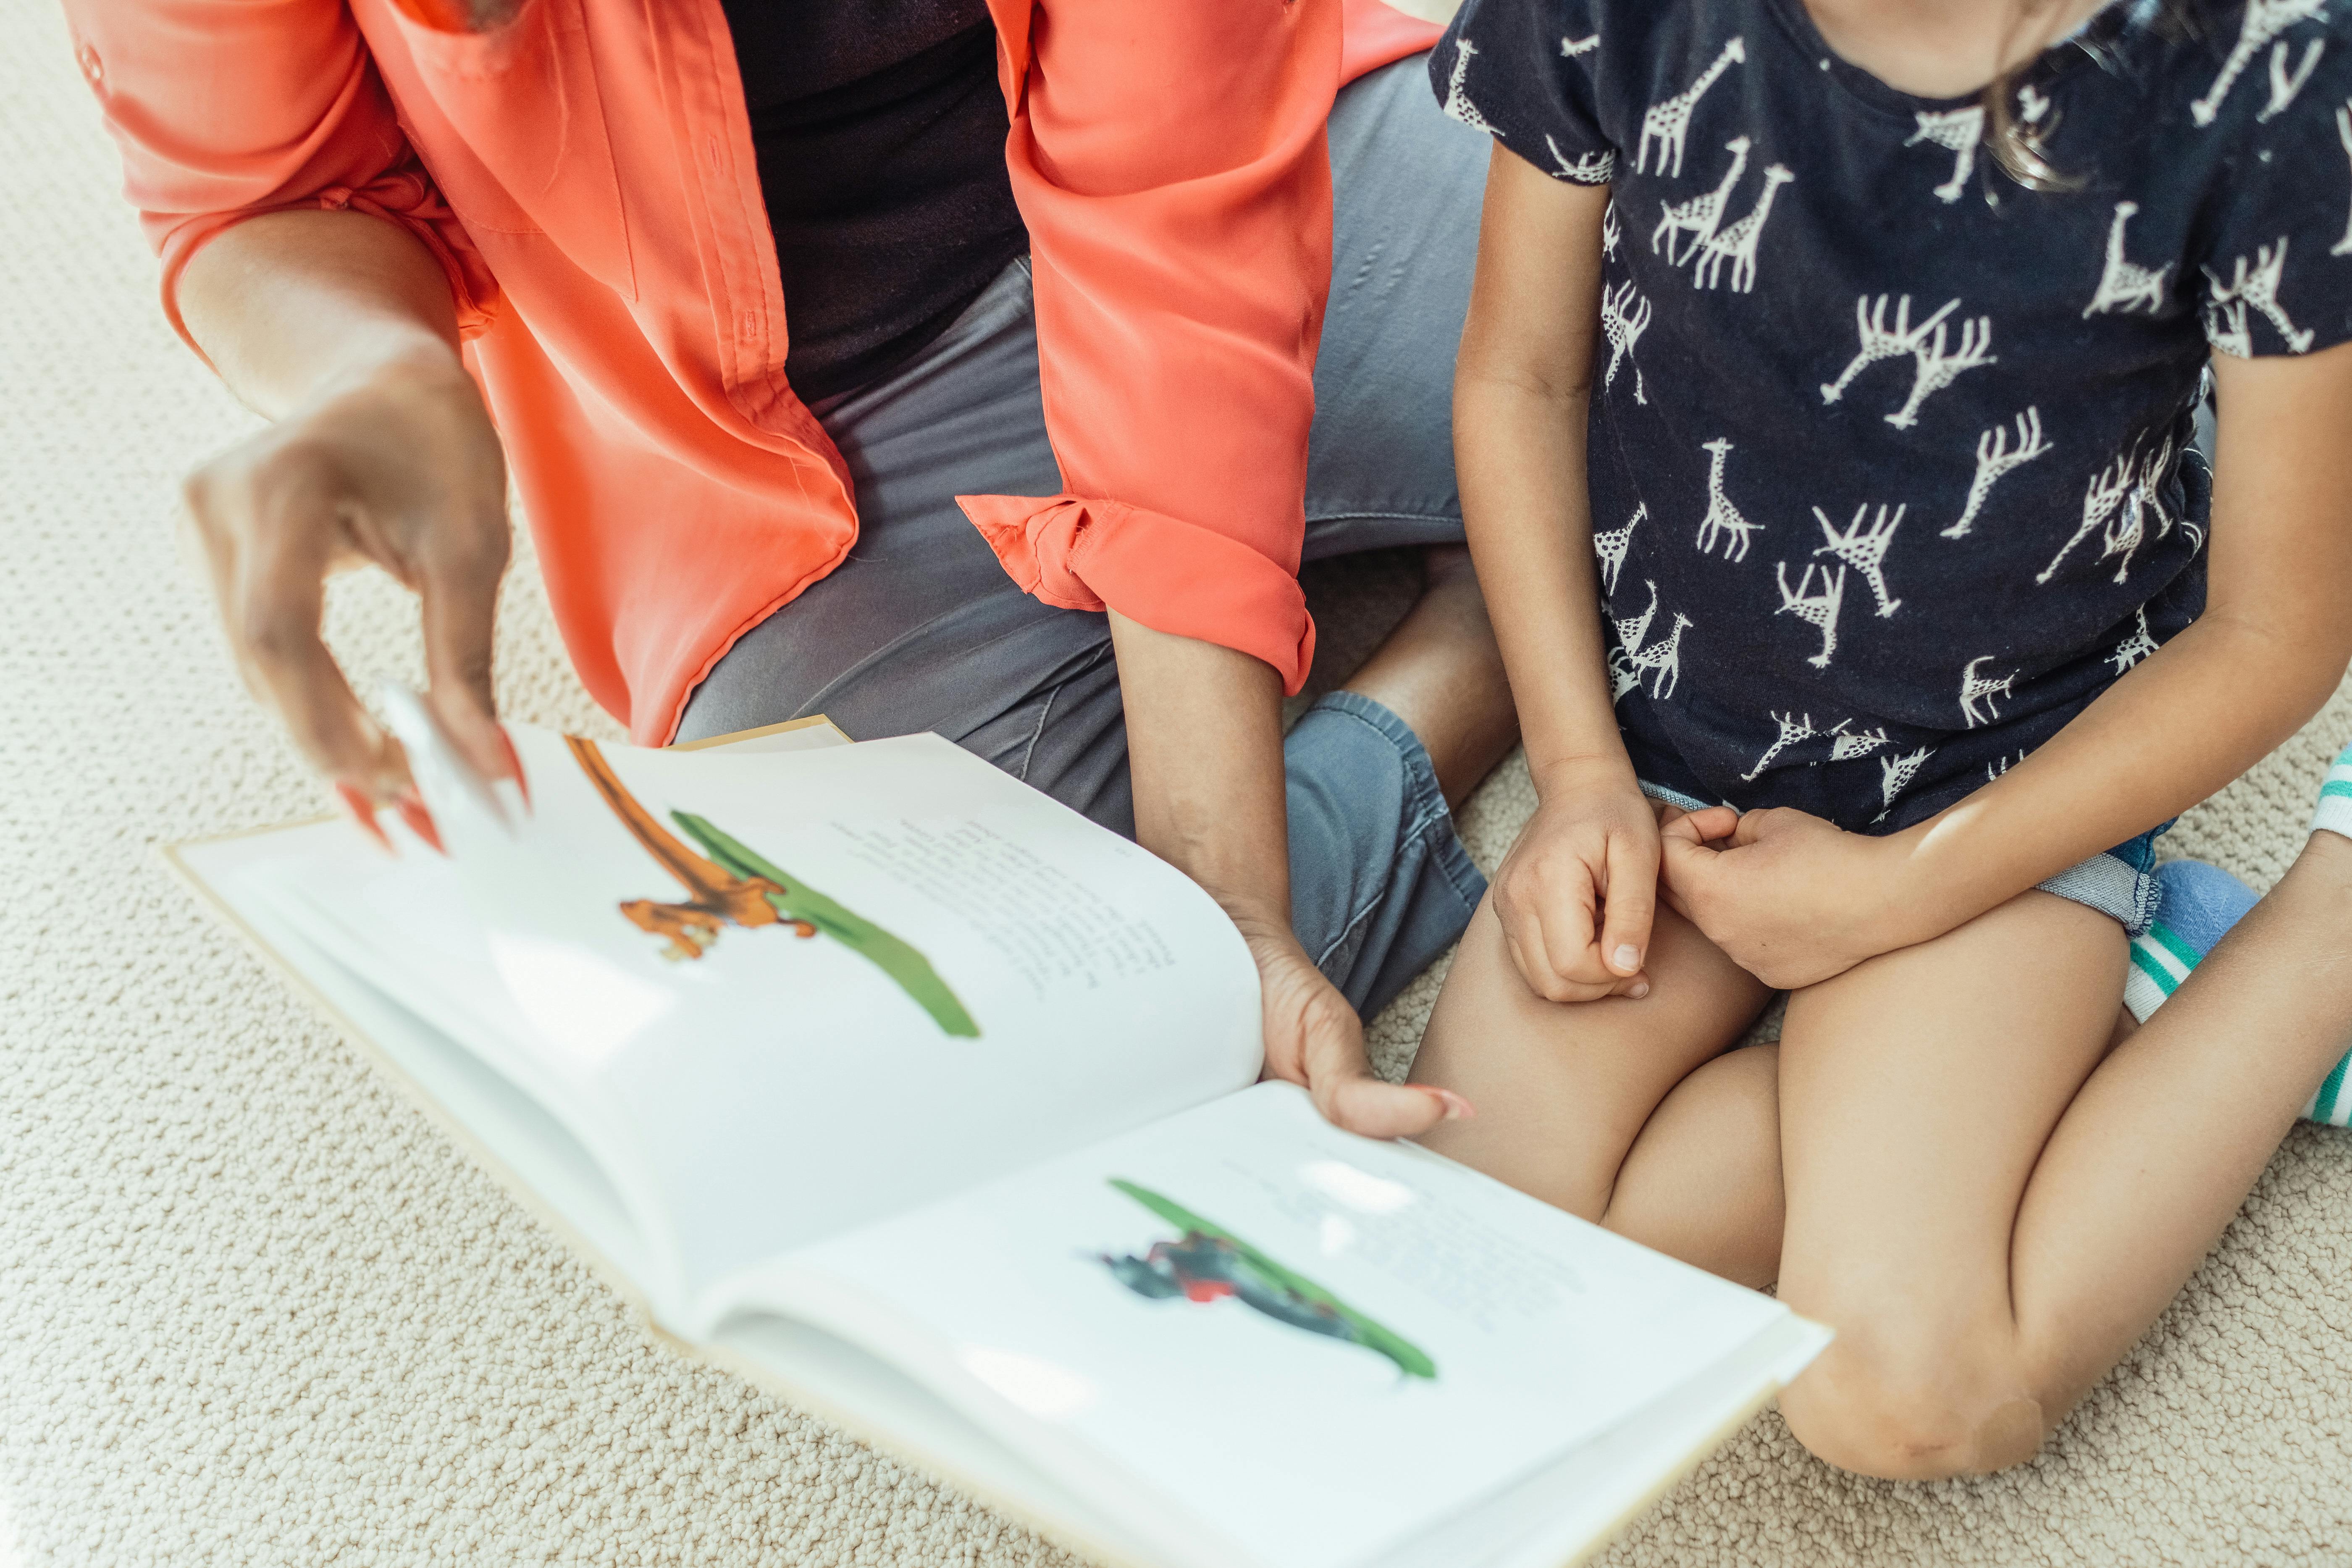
x: 2335, y: 813
x: 2196, y: 906
x: 2332, y: 1106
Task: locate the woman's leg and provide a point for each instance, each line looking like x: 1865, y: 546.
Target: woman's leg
x: 1623, y: 1112
x: 1990, y: 1213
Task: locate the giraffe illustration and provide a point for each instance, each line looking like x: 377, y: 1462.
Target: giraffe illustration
x: 1571, y: 47
x: 2031, y: 104
x: 1738, y: 243
x: 1668, y: 121
x: 2150, y: 490
x: 2259, y: 289
x: 2101, y: 497
x: 1817, y: 610
x: 1631, y: 630
x: 2000, y: 765
x: 1859, y: 743
x: 2128, y: 529
x: 2265, y: 20
x: 2135, y: 647
x: 1978, y: 693
x: 1611, y: 229
x: 1610, y: 548
x: 1937, y: 369
x: 2227, y: 330
x: 1878, y: 343
x: 2343, y: 134
x: 1457, y: 93
x: 1623, y: 674
x: 1662, y: 660
x: 1625, y: 317
x: 1722, y: 520
x: 2285, y: 84
x: 1959, y: 131
x: 1793, y: 731
x: 2122, y: 285
x: 1593, y: 169
x: 1698, y: 217
x: 1894, y: 775
x: 1995, y: 458
x: 1864, y: 550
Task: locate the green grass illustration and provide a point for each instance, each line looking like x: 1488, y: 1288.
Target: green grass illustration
x: 1409, y: 1358
x: 905, y: 966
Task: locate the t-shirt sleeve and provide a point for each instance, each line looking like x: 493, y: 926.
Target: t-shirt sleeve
x: 1521, y: 70
x: 2276, y: 276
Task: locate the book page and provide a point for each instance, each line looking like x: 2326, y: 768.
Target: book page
x: 785, y: 995
x: 1240, y: 1318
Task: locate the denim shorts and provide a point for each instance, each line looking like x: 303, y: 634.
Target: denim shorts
x: 2120, y: 882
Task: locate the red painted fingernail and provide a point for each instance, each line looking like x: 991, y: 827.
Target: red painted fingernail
x: 514, y: 766
x: 1455, y: 1108
x: 362, y: 811
x: 420, y: 821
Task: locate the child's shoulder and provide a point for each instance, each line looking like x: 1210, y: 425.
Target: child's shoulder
x: 2237, y: 72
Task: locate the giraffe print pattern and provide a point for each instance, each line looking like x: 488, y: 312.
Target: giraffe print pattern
x: 1936, y: 437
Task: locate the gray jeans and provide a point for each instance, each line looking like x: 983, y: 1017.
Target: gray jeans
x: 921, y: 629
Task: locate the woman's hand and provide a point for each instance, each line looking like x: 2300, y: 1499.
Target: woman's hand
x: 399, y: 468
x: 1792, y: 899
x: 1578, y: 889
x: 1314, y: 1038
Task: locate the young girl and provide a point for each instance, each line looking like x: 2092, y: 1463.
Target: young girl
x: 1825, y: 421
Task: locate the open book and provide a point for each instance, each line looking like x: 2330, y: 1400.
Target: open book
x: 895, y: 1085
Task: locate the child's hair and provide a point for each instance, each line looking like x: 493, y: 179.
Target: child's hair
x: 2016, y: 147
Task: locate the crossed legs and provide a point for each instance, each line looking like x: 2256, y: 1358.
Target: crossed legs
x: 1985, y: 1195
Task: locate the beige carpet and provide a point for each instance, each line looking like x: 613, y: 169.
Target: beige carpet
x: 254, y: 1310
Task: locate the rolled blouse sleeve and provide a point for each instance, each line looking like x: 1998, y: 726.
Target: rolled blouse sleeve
x: 1171, y: 165
x: 225, y: 110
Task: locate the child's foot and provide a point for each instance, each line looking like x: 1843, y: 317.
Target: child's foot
x: 2196, y: 906
x: 2335, y: 814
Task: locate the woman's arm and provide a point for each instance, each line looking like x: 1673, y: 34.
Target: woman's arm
x: 307, y: 253
x: 1205, y: 739
x: 340, y: 327
x: 1575, y: 896
x: 1795, y: 901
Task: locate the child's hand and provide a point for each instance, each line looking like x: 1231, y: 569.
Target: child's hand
x: 1792, y: 899
x: 1577, y: 891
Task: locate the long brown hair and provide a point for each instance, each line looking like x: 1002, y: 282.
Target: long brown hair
x: 2016, y: 146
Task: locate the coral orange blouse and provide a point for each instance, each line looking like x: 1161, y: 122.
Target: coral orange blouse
x: 584, y: 174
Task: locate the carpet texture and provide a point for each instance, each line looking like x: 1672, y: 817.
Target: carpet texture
x: 255, y: 1310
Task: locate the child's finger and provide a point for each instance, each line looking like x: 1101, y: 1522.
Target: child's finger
x: 1714, y: 823
x: 1629, y: 903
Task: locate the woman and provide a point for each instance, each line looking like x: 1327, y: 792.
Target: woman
x: 1033, y: 466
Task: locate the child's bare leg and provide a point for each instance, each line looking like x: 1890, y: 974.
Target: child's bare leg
x: 1989, y: 1214
x: 1703, y: 1181
x: 1441, y: 671
x: 1566, y: 1090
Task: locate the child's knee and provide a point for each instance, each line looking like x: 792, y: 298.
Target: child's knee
x: 1915, y: 1405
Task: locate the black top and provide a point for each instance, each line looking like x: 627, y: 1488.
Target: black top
x: 880, y: 132
x: 1890, y: 468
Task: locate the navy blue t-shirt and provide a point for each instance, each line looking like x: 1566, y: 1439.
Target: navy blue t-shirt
x: 1890, y: 455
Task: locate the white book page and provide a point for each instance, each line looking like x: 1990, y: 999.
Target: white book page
x: 966, y: 977
x: 1412, y: 1307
